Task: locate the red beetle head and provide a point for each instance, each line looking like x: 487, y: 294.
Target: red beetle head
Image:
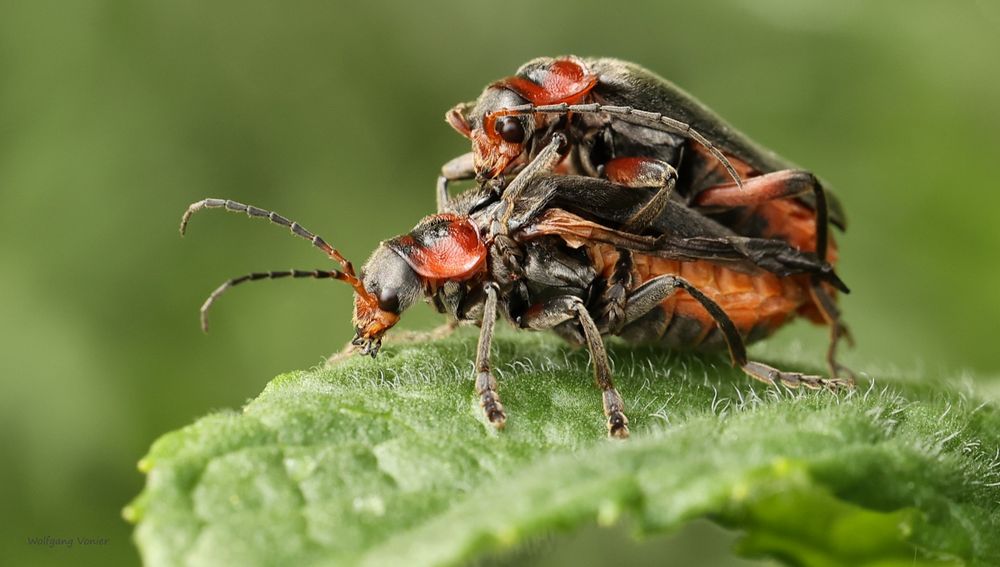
x: 497, y: 141
x: 501, y: 140
x: 440, y: 248
x: 390, y: 286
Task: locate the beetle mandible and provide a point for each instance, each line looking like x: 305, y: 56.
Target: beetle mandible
x: 542, y: 266
x: 634, y: 129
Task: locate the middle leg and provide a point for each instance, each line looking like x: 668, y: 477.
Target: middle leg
x: 642, y: 173
x: 565, y: 308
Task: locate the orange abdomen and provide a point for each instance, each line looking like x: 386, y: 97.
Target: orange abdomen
x: 758, y: 304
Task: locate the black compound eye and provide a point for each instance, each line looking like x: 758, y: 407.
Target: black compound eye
x: 388, y: 300
x: 510, y: 129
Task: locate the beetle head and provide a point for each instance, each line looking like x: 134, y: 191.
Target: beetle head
x: 443, y: 247
x: 391, y: 286
x: 497, y: 141
x: 501, y: 140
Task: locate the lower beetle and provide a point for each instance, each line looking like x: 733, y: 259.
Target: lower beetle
x: 543, y: 266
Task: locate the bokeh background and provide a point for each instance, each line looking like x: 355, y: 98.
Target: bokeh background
x: 114, y: 115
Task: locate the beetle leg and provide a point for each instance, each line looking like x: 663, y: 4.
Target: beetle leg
x: 525, y: 182
x: 457, y: 169
x: 642, y: 173
x: 629, y: 114
x: 609, y: 295
x: 559, y: 310
x: 649, y: 295
x: 782, y: 185
x: 486, y: 383
x: 838, y: 330
x: 772, y: 186
x: 771, y: 376
x: 535, y: 186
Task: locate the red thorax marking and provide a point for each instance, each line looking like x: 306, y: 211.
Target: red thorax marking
x: 443, y: 247
x: 566, y: 80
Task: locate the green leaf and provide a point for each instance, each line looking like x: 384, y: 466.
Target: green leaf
x: 390, y: 461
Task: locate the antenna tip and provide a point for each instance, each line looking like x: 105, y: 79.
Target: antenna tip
x: 185, y: 218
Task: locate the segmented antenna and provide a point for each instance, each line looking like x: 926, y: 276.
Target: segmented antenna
x: 255, y: 212
x: 347, y: 275
x: 657, y: 118
x: 274, y: 275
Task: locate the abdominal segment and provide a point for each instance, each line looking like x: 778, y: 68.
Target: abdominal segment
x: 758, y: 303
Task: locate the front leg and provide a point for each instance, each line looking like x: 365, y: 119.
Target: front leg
x: 619, y: 193
x: 524, y: 196
x: 486, y: 383
x: 457, y: 169
x: 561, y: 309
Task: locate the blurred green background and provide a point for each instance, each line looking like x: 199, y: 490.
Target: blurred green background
x: 115, y: 115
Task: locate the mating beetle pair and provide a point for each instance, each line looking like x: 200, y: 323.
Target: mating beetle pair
x: 608, y: 226
x: 632, y: 128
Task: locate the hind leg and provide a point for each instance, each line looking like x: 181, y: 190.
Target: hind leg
x: 649, y: 296
x: 772, y: 376
x: 838, y: 330
x: 786, y: 184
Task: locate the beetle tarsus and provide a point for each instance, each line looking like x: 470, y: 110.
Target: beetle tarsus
x: 617, y: 421
x: 489, y: 400
x: 772, y: 376
x: 839, y: 331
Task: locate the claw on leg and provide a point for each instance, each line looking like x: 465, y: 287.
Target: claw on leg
x: 839, y: 331
x: 489, y: 400
x: 614, y: 409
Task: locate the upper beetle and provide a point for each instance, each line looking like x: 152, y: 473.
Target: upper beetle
x: 633, y: 127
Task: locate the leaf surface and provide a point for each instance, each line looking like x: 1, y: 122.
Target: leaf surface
x: 385, y: 462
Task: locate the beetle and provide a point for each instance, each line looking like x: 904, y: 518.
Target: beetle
x: 530, y: 258
x: 635, y: 129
